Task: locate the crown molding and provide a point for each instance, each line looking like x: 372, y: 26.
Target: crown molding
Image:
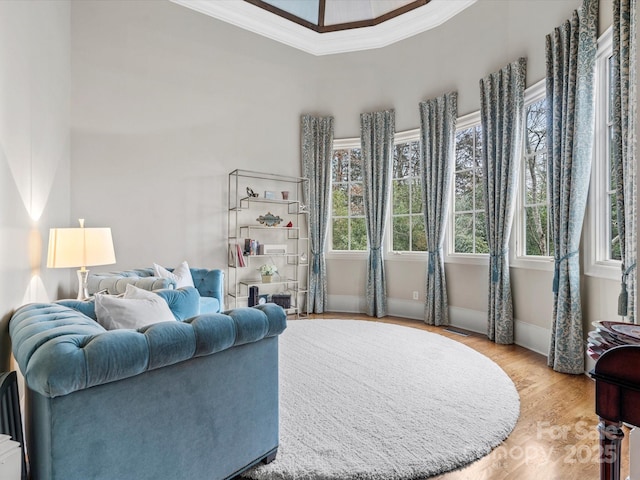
x: 249, y: 17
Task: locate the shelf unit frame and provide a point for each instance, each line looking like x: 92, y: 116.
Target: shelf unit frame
x: 241, y: 225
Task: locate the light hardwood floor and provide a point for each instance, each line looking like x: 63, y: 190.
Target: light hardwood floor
x: 555, y: 437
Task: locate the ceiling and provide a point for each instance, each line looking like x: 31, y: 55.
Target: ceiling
x: 323, y: 27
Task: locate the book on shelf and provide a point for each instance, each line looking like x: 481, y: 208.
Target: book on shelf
x: 240, y: 256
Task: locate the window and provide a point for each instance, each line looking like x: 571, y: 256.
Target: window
x: 602, y: 241
x: 348, y: 228
x: 469, y: 227
x: 408, y: 233
x: 612, y: 251
x: 535, y: 229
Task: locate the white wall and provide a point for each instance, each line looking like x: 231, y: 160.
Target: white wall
x: 166, y: 101
x: 34, y: 150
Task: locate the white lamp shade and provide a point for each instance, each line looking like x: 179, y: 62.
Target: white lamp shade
x: 80, y: 247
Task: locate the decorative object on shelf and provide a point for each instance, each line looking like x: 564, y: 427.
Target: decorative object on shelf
x: 272, y: 249
x: 80, y: 247
x: 269, y: 195
x: 285, y: 194
x: 253, y: 296
x: 267, y: 271
x: 290, y: 224
x: 251, y: 246
x: 262, y: 299
x: 282, y: 299
x: 303, y: 208
x: 303, y: 257
x: 251, y: 193
x: 270, y: 220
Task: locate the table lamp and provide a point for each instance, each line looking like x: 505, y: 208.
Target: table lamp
x: 80, y: 247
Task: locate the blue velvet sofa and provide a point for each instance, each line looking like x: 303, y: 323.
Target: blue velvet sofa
x: 209, y: 283
x: 192, y: 399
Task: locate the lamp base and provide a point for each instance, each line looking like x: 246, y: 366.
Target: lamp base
x: 83, y: 293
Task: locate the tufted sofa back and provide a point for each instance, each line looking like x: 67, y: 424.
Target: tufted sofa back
x: 61, y: 350
x: 209, y: 283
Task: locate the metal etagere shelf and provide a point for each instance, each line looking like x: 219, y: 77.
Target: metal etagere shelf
x: 285, y: 240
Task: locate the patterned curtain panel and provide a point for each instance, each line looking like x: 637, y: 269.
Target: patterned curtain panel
x: 623, y: 146
x: 317, y: 147
x: 437, y: 129
x: 570, y: 58
x: 376, y: 133
x: 502, y: 116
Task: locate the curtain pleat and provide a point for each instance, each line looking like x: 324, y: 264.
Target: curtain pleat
x: 570, y: 60
x: 502, y: 114
x: 317, y: 148
x: 437, y: 131
x: 623, y: 146
x: 377, y: 130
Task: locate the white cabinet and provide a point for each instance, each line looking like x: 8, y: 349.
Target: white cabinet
x: 268, y: 224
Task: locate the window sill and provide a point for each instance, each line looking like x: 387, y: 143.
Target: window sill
x: 344, y: 255
x: 533, y: 263
x: 407, y: 256
x: 467, y: 258
x: 604, y: 269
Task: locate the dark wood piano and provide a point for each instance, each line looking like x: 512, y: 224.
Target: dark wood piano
x: 617, y: 376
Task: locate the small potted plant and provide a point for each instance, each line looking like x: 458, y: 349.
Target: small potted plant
x: 267, y: 272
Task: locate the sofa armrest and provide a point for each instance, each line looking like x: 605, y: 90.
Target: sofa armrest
x: 60, y: 350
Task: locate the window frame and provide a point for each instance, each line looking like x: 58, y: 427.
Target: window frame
x: 355, y: 142
x: 342, y: 144
x: 597, y: 238
x: 402, y: 255
x: 450, y: 256
x: 518, y: 257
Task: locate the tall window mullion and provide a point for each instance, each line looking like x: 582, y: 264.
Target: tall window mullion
x: 613, y: 243
x: 535, y: 189
x: 407, y: 217
x: 348, y: 228
x: 469, y: 225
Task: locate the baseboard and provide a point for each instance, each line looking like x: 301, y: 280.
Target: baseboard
x: 527, y: 335
x: 346, y: 304
x: 532, y: 337
x: 398, y: 308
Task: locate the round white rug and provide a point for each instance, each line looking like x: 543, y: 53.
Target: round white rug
x: 363, y: 400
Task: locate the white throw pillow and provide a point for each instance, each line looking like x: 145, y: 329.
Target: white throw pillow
x: 181, y: 274
x: 137, y: 308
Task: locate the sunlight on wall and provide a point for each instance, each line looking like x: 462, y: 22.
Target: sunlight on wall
x: 33, y: 182
x: 35, y: 250
x: 35, y: 292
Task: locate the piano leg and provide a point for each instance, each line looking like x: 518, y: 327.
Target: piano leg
x: 611, y: 436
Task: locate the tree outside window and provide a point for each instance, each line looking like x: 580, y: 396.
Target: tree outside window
x: 613, y: 251
x: 348, y: 228
x: 469, y: 222
x: 407, y: 209
x: 537, y: 241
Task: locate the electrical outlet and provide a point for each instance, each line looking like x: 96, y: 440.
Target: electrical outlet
x: 416, y: 295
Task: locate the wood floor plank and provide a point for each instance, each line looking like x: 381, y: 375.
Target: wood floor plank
x: 555, y: 437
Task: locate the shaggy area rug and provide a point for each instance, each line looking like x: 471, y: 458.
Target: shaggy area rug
x: 362, y: 400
